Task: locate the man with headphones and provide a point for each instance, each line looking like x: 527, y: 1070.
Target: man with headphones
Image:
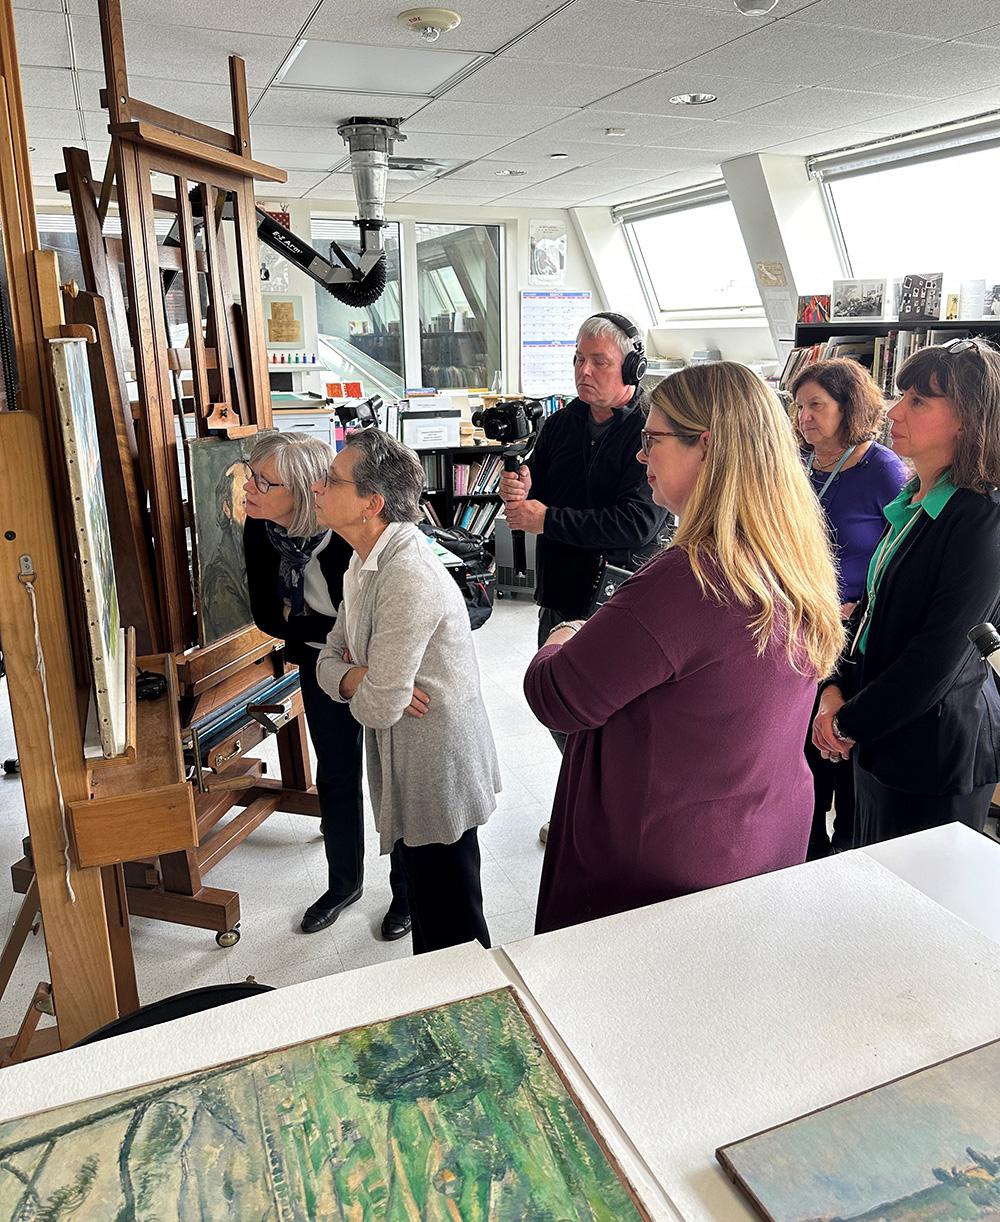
x: 584, y: 492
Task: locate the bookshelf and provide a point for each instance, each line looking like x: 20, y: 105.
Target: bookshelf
x: 892, y: 342
x: 448, y: 471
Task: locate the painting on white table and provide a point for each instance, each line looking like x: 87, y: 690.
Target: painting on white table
x: 923, y: 1147
x: 457, y: 1112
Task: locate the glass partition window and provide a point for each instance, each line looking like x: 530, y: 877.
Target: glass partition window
x: 458, y: 283
x: 696, y: 262
x: 933, y: 216
x: 374, y: 331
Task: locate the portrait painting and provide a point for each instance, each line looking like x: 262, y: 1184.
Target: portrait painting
x: 923, y: 1147
x: 105, y: 632
x: 216, y: 475
x: 456, y: 1112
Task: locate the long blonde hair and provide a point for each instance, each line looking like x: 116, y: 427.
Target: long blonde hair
x: 753, y: 528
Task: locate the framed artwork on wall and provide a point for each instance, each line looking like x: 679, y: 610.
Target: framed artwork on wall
x: 283, y: 320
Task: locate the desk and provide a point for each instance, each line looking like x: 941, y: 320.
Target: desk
x: 682, y: 1026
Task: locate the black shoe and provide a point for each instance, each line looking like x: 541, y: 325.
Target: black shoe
x: 395, y: 926
x: 319, y: 916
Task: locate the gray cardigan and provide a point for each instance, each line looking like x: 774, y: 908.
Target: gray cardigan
x: 431, y: 778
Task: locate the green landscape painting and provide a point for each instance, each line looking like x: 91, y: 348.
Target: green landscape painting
x: 452, y: 1113
x: 925, y: 1148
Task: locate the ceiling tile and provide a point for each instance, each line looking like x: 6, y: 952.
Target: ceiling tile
x: 250, y: 18
x: 535, y: 201
x: 485, y: 171
x: 985, y: 38
x: 946, y: 110
x: 824, y: 142
x: 652, y: 96
x: 953, y: 19
x: 453, y: 147
x: 54, y: 124
x: 590, y: 126
x: 206, y: 103
x: 826, y: 108
x: 296, y: 186
x: 49, y: 87
x: 48, y: 6
x: 487, y: 119
x: 528, y: 81
x: 323, y: 108
x: 634, y: 32
x: 660, y: 161
x: 42, y: 39
x: 540, y: 147
x: 486, y: 25
x: 804, y: 54
x: 448, y: 187
x: 938, y: 71
x: 181, y: 53
x: 594, y: 179
x: 322, y: 160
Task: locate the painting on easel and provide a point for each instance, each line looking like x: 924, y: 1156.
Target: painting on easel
x: 216, y: 475
x: 456, y: 1112
x: 75, y: 403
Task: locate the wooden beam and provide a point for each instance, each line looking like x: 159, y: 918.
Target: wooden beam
x: 116, y: 96
x: 178, y: 123
x: 109, y: 831
x: 184, y: 146
x: 241, y: 113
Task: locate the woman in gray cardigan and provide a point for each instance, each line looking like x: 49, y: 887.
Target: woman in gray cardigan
x: 401, y: 653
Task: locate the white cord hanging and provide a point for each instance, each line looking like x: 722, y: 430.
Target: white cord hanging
x: 28, y: 581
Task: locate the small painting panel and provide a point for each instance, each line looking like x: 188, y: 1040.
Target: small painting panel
x: 216, y: 476
x: 456, y: 1112
x: 78, y: 422
x: 283, y: 321
x: 814, y: 308
x: 925, y: 1148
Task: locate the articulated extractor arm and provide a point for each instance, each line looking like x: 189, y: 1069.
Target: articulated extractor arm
x: 361, y: 282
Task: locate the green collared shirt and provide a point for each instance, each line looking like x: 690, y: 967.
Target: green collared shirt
x: 900, y: 514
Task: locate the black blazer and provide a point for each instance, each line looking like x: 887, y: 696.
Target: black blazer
x: 921, y: 703
x: 266, y: 603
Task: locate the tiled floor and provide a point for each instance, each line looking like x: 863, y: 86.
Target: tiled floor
x: 281, y: 868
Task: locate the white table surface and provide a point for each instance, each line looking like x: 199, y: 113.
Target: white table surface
x: 682, y: 1026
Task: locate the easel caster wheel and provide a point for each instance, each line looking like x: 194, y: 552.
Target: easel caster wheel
x: 11, y: 767
x: 228, y: 938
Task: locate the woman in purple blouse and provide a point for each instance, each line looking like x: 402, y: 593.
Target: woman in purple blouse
x: 686, y: 697
x: 839, y: 411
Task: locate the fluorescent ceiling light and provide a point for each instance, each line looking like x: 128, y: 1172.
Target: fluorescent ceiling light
x: 353, y: 68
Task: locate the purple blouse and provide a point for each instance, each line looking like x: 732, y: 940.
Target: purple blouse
x: 853, y: 504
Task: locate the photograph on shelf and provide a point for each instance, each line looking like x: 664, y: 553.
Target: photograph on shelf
x: 283, y: 325
x: 920, y: 300
x: 951, y: 313
x: 858, y: 299
x: 991, y: 301
x: 106, y: 637
x: 216, y: 475
x: 453, y: 1112
x: 815, y: 308
x: 924, y: 1146
x: 971, y: 299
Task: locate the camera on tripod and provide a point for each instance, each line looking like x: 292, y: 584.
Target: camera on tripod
x: 360, y: 413
x: 509, y: 421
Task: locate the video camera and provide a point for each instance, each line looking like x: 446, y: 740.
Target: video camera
x: 360, y: 413
x: 510, y: 421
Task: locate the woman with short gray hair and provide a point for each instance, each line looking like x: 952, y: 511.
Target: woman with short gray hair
x: 401, y: 655
x: 295, y: 574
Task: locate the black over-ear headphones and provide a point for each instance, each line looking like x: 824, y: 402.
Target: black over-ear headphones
x: 634, y: 364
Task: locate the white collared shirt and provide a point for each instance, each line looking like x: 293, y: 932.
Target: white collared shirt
x: 354, y: 580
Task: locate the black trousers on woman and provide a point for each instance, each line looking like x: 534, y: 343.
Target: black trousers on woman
x: 833, y: 784
x: 884, y: 813
x: 446, y: 895
x: 339, y: 743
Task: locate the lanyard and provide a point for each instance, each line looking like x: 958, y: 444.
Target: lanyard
x: 886, y: 550
x: 834, y: 473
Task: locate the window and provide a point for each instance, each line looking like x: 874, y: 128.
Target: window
x: 458, y: 283
x: 361, y: 342
x: 695, y: 262
x: 935, y: 215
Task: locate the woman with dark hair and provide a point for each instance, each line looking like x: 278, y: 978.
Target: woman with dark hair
x: 295, y: 573
x: 839, y: 411
x: 912, y: 701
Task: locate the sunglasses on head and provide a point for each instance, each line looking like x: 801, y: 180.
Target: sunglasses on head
x: 955, y: 346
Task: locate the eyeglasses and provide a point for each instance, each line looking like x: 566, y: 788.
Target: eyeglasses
x: 329, y: 479
x: 262, y: 484
x: 649, y: 436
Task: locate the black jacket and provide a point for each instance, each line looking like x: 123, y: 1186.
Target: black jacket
x: 599, y: 504
x: 266, y: 603
x: 921, y: 703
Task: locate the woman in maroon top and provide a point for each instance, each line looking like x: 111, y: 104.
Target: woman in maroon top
x: 686, y: 697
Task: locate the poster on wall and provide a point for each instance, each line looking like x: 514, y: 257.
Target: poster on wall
x: 547, y: 244
x: 549, y: 323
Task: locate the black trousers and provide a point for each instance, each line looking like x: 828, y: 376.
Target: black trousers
x: 832, y: 784
x: 883, y: 813
x: 446, y: 895
x: 339, y: 742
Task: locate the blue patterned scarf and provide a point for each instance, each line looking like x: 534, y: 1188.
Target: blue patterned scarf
x: 295, y: 555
